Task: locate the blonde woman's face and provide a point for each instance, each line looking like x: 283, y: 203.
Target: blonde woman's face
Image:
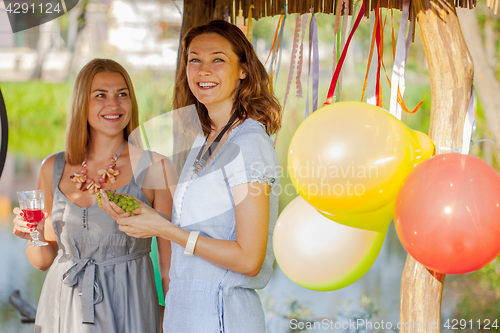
x: 110, y: 106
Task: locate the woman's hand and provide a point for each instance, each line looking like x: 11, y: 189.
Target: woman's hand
x: 146, y: 223
x: 22, y: 229
x: 111, y: 208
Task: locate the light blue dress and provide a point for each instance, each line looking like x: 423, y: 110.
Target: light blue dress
x: 203, y: 297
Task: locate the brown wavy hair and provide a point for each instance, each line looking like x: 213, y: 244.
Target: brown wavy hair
x: 78, y: 131
x: 252, y: 96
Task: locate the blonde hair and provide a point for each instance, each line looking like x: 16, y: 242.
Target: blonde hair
x: 78, y: 131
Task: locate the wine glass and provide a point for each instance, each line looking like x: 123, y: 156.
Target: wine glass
x: 31, y: 203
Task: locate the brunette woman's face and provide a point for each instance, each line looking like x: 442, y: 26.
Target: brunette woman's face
x: 110, y: 106
x: 213, y: 71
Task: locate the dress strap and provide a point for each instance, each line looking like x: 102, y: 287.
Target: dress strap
x: 57, y: 170
x: 142, y: 167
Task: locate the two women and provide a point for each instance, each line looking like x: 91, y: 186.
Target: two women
x: 224, y: 208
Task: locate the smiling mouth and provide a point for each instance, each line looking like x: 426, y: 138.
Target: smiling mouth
x: 207, y: 85
x: 112, y: 116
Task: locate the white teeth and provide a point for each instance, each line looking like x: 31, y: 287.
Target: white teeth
x: 111, y: 117
x: 207, y: 84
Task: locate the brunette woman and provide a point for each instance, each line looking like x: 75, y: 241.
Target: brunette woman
x: 225, y: 205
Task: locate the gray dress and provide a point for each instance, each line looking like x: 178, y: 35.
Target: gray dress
x: 101, y: 280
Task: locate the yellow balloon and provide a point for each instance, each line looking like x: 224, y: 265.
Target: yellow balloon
x: 428, y: 147
x: 319, y: 254
x: 351, y: 158
x: 378, y: 220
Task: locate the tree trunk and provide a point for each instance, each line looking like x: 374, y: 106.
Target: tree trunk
x: 487, y: 85
x: 43, y: 47
x: 451, y: 72
x: 196, y: 12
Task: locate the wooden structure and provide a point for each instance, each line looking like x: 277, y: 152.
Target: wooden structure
x: 451, y: 73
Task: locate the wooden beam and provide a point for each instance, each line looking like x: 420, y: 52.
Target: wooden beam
x: 451, y: 72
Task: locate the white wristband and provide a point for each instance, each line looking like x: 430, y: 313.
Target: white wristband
x: 191, y: 243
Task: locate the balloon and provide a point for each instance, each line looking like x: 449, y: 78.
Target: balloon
x: 378, y: 220
x: 319, y: 254
x: 351, y: 158
x: 447, y: 213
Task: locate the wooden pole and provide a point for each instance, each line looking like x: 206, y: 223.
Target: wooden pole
x: 195, y: 13
x: 451, y: 73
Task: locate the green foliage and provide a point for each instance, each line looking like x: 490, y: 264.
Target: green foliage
x: 479, y: 297
x: 37, y: 111
x: 36, y: 114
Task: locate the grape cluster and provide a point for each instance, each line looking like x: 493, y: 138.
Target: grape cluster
x: 125, y: 202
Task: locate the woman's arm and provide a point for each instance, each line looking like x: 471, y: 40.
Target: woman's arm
x: 41, y: 257
x: 245, y: 255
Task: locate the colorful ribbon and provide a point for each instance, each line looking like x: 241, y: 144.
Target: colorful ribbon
x: 468, y: 124
x: 398, y: 69
x: 250, y: 23
x: 331, y: 91
x: 298, y: 83
x: 314, y: 59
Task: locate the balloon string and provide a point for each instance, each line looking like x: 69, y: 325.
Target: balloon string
x: 448, y: 148
x: 496, y: 264
x: 474, y: 142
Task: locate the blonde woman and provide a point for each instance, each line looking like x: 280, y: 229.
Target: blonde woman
x: 99, y: 278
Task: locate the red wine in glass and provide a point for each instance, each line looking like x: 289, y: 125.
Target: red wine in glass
x: 33, y: 215
x: 31, y: 203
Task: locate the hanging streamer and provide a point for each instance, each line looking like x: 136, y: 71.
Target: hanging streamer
x: 331, y: 91
x: 346, y: 18
x: 305, y: 18
x: 314, y: 59
x: 279, y: 45
x: 250, y: 24
x: 379, y: 41
x: 370, y: 77
x: 273, y: 54
x: 293, y: 57
x: 469, y: 124
x: 398, y: 69
x: 335, y: 31
x: 292, y: 64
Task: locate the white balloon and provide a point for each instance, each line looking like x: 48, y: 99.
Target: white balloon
x: 319, y: 254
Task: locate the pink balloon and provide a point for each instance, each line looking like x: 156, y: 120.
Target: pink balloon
x: 447, y: 213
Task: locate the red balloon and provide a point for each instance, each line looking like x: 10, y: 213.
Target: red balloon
x: 447, y: 213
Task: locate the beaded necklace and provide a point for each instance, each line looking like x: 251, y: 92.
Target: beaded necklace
x: 86, y: 183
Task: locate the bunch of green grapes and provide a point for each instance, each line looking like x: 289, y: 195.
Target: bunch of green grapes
x: 125, y: 202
